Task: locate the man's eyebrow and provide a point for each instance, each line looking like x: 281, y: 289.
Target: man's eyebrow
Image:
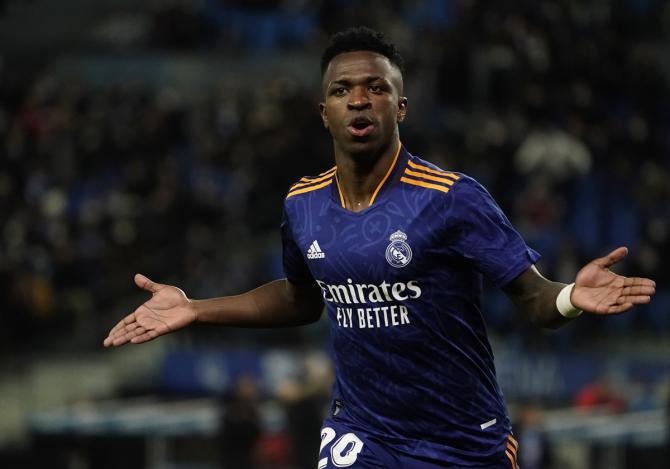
x: 347, y: 81
x: 342, y: 81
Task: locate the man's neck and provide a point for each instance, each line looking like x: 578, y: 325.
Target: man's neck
x: 359, y: 175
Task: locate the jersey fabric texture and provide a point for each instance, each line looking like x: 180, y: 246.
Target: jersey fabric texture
x: 401, y: 282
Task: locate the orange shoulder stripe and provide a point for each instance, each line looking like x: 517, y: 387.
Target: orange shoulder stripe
x: 306, y: 182
x: 449, y: 182
x: 511, y: 459
x: 434, y: 171
x: 428, y: 185
x: 309, y: 189
x: 512, y: 449
x: 510, y: 452
x: 329, y: 170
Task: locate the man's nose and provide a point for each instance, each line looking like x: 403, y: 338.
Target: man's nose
x: 359, y: 99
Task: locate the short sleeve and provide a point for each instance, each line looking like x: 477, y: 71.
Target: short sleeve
x: 484, y: 236
x: 295, y: 267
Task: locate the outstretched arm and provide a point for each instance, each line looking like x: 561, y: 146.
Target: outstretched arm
x: 275, y: 304
x: 597, y: 290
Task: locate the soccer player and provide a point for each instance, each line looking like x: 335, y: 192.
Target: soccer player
x: 395, y: 248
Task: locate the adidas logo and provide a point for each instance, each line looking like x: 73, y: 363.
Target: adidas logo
x: 315, y: 252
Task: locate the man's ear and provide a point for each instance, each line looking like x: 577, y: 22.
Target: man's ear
x: 402, y: 109
x: 324, y: 115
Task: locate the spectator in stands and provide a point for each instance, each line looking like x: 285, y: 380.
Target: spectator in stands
x: 600, y: 395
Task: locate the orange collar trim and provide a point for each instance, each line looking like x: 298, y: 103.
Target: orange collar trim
x: 379, y: 186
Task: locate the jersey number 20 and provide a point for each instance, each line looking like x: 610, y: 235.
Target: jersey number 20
x: 344, y: 451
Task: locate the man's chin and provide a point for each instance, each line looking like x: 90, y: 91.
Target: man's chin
x: 362, y: 145
x: 369, y: 145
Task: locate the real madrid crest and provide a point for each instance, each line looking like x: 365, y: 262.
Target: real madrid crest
x: 398, y: 252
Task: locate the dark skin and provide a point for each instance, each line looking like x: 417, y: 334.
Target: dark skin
x: 363, y: 105
x: 365, y: 86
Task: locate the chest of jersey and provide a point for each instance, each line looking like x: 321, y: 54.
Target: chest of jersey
x: 379, y: 269
x: 387, y: 246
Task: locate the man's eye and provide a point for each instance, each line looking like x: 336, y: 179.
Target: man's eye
x: 375, y: 88
x: 340, y: 91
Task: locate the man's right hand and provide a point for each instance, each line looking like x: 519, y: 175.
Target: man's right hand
x: 168, y: 310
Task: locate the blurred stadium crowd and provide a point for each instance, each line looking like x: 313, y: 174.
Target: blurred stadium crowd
x: 561, y: 108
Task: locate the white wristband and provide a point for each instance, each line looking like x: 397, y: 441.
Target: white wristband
x: 564, y: 305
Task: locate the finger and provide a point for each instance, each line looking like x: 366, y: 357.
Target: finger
x: 147, y: 336
x: 145, y: 283
x: 638, y: 290
x: 130, y: 328
x: 612, y: 258
x: 123, y: 327
x: 617, y: 309
x: 638, y: 281
x: 115, y: 330
x: 144, y: 335
x: 120, y: 338
x: 107, y: 342
x: 115, y: 341
x: 636, y: 299
x: 120, y: 327
x: 124, y: 323
x: 129, y: 336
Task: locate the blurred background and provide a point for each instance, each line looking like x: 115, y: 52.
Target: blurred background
x: 160, y: 137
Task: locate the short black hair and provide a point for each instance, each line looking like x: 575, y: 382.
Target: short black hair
x: 360, y: 38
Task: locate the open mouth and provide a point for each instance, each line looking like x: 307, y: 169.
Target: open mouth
x: 361, y: 126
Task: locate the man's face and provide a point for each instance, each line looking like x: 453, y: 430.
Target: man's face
x: 363, y: 103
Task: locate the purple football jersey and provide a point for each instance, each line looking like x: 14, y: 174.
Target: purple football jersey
x: 401, y: 282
